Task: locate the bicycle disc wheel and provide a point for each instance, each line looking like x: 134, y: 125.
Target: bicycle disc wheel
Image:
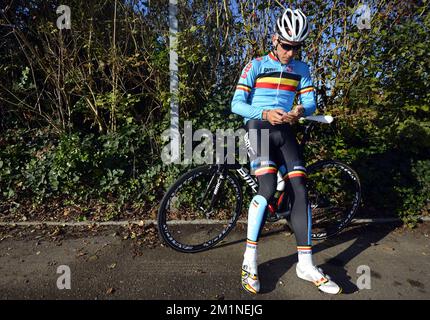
x: 200, y: 209
x: 334, y: 193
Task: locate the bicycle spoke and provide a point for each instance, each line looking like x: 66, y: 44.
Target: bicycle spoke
x: 334, y: 193
x: 200, y: 211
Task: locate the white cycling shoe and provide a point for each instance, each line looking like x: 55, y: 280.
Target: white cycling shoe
x: 249, y: 277
x: 321, y: 280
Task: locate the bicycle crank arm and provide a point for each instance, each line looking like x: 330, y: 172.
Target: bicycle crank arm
x: 284, y: 214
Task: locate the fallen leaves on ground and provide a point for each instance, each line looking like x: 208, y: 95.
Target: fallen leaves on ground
x: 110, y: 291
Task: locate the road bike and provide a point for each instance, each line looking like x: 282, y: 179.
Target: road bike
x: 204, y: 204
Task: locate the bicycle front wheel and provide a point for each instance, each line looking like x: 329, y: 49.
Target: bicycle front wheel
x: 334, y: 193
x: 200, y: 209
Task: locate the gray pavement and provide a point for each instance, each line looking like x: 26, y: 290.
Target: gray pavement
x: 104, y: 266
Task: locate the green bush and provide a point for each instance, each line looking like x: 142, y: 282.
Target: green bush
x: 114, y: 168
x: 415, y: 192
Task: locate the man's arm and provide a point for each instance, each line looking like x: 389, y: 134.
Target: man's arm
x: 239, y: 104
x: 306, y: 93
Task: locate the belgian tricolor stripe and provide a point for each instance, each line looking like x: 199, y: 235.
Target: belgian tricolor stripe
x: 275, y: 86
x: 321, y: 281
x: 272, y: 56
x: 277, y: 83
x: 283, y: 81
x: 304, y: 90
x: 282, y: 75
x: 265, y: 170
x: 294, y: 174
x: 243, y: 88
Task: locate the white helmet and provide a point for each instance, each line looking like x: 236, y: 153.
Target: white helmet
x: 293, y: 26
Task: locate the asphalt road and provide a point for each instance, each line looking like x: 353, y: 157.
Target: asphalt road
x: 104, y: 266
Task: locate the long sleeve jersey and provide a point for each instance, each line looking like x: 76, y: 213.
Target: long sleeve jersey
x: 265, y: 83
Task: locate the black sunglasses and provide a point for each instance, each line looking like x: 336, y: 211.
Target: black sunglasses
x: 288, y: 47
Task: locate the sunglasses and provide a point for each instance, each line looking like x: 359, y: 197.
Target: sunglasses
x: 288, y: 47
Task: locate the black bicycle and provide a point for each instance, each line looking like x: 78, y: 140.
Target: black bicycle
x: 204, y: 204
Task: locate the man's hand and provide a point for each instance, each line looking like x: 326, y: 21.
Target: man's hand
x: 275, y: 116
x: 294, y: 115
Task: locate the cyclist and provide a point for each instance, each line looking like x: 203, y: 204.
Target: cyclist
x: 264, y: 96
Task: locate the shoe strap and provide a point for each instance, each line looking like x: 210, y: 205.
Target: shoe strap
x: 321, y: 281
x: 247, y: 274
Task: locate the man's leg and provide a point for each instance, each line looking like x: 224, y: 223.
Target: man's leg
x: 267, y: 178
x: 301, y: 216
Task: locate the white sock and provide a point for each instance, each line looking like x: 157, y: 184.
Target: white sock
x: 250, y: 256
x: 305, y: 256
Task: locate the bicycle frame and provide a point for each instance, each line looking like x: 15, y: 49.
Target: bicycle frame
x: 246, y: 176
x: 244, y: 173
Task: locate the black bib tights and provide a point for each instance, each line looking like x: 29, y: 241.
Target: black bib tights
x: 283, y: 155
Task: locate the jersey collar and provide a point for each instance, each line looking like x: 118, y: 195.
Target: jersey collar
x: 272, y: 56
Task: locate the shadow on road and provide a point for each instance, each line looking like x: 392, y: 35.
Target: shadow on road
x: 264, y: 235
x: 364, y: 235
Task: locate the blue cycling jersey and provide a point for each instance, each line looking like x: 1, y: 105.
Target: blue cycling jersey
x: 265, y: 83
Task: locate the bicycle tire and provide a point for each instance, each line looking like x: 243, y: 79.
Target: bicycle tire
x: 166, y: 229
x: 322, y: 227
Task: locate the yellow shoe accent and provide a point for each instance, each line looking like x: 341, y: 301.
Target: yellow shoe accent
x: 324, y: 283
x: 250, y: 282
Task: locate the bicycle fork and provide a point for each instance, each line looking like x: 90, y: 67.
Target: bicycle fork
x: 218, y: 184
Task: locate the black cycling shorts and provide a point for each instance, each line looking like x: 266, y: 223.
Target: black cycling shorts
x: 272, y: 148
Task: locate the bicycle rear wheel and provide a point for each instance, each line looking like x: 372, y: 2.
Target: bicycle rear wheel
x: 200, y: 209
x: 334, y: 193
